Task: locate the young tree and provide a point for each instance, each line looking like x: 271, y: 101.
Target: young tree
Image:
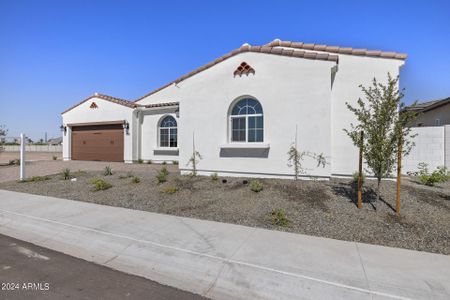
x: 3, y: 131
x: 385, y: 124
x: 195, y: 158
x: 295, y: 158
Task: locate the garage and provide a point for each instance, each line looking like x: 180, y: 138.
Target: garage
x: 98, y: 142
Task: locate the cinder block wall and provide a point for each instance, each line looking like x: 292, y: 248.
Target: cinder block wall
x: 447, y: 145
x: 432, y: 146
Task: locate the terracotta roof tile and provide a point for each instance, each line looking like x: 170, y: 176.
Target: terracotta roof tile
x: 336, y: 49
x: 165, y: 104
x: 119, y: 101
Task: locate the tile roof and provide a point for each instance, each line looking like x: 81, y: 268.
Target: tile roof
x: 123, y: 102
x: 165, y: 104
x: 337, y: 49
x: 255, y: 49
x: 429, y: 105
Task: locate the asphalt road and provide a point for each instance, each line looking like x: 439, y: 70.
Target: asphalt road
x: 31, y: 272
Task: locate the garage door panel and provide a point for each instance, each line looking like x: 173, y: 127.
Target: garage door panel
x: 99, y: 142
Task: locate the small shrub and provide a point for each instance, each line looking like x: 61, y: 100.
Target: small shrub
x: 135, y: 179
x: 14, y: 162
x: 128, y: 175
x: 54, y: 157
x: 164, y: 163
x: 170, y: 190
x: 108, y: 171
x: 66, y: 174
x: 161, y: 176
x: 100, y: 184
x: 175, y: 162
x: 224, y: 181
x: 140, y: 161
x: 441, y: 174
x: 256, y: 186
x: 356, y: 177
x: 164, y: 170
x: 149, y: 162
x: 244, y: 181
x: 279, y: 218
x: 214, y: 177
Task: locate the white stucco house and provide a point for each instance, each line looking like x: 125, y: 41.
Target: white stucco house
x: 241, y: 109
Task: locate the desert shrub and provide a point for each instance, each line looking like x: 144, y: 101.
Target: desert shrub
x: 256, y: 186
x: 135, y: 179
x: 356, y: 177
x: 149, y: 162
x: 108, y: 171
x: 279, y: 218
x: 66, y: 174
x: 164, y: 163
x: 128, y: 175
x: 170, y: 190
x: 14, y: 162
x: 175, y: 162
x: 54, y: 157
x: 161, y: 176
x: 100, y: 184
x: 441, y: 174
x: 214, y: 177
x: 140, y: 161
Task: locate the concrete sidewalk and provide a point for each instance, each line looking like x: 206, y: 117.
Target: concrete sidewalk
x: 223, y: 261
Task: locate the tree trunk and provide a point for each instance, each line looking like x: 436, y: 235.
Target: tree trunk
x: 378, y: 189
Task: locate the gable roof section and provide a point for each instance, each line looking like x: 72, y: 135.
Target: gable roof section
x: 337, y: 49
x: 115, y: 100
x: 255, y: 49
x: 157, y: 105
x: 429, y: 105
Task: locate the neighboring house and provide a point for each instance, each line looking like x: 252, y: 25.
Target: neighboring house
x: 241, y: 111
x: 55, y: 141
x: 432, y: 113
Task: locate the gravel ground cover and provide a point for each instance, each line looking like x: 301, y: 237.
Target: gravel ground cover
x: 319, y: 208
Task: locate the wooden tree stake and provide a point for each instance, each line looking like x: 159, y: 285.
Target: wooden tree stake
x: 399, y: 175
x: 360, y: 170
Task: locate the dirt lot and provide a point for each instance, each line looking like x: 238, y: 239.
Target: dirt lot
x: 5, y: 157
x: 313, y: 207
x: 49, y: 166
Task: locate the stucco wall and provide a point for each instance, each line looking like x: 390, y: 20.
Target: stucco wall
x: 429, y: 148
x: 428, y: 118
x: 353, y: 71
x: 106, y: 112
x: 283, y: 87
x: 149, y: 136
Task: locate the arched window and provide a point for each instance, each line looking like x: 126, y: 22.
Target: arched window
x: 168, y: 132
x: 246, y: 121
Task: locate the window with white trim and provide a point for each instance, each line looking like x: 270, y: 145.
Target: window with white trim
x: 246, y: 121
x: 168, y: 132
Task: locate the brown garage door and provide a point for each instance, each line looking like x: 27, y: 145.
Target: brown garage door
x: 97, y: 142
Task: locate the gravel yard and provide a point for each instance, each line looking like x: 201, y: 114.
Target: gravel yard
x: 318, y: 208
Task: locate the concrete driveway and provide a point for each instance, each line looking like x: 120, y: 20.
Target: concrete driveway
x: 223, y: 261
x: 49, y: 167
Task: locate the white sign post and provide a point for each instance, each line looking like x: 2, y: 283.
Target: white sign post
x: 22, y: 156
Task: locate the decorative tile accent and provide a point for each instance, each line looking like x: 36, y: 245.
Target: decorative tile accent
x: 244, y: 69
x: 93, y: 105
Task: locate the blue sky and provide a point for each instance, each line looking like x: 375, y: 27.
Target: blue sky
x: 55, y: 53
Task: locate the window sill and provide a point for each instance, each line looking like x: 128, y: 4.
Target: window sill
x: 245, y: 146
x: 166, y: 149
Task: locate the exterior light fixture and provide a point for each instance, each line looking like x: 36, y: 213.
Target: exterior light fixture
x: 126, y: 126
x: 63, y: 129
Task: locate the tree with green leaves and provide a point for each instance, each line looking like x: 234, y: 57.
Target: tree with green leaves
x: 385, y: 124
